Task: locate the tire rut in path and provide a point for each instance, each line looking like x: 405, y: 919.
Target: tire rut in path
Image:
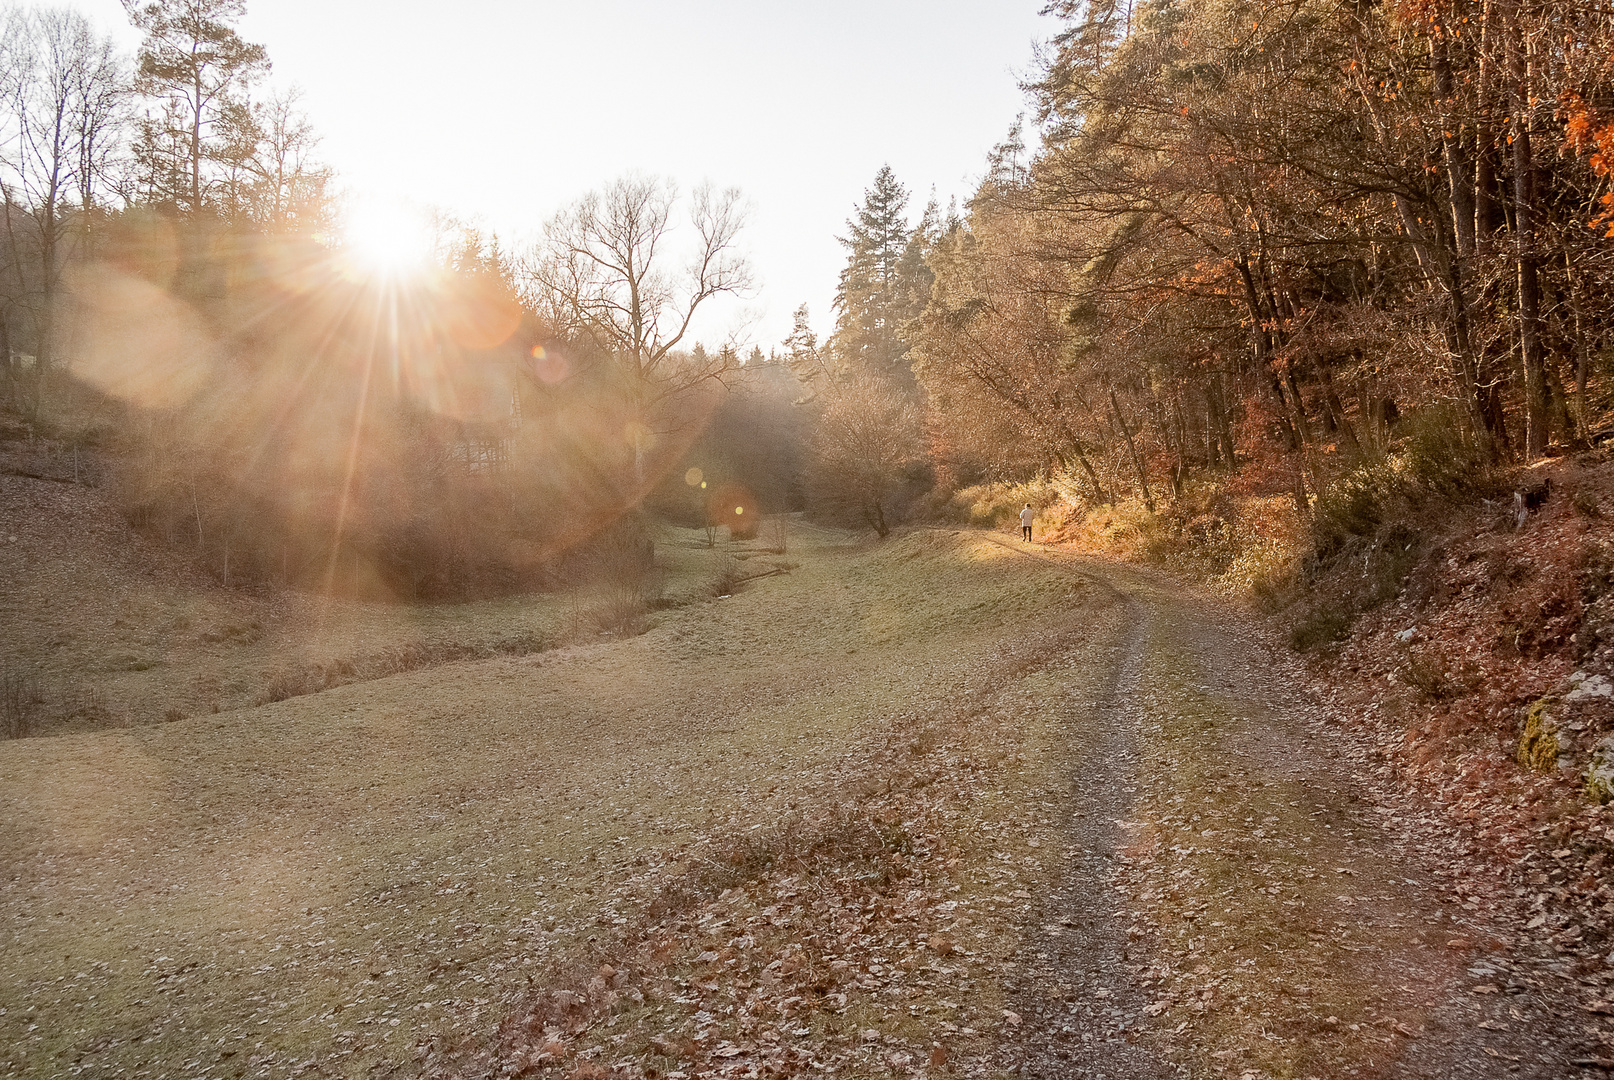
x: 1081, y: 1013
x: 1076, y: 977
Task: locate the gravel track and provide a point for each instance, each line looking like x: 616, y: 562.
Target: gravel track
x: 1317, y: 934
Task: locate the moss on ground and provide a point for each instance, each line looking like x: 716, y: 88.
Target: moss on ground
x: 1538, y: 745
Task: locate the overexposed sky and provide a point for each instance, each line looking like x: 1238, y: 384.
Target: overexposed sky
x: 502, y: 111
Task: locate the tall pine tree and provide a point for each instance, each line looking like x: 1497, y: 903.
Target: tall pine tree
x: 869, y: 300
x: 196, y: 69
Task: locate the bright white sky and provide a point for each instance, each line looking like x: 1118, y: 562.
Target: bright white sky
x: 502, y: 111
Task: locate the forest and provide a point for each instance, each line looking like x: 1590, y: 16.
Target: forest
x: 1264, y: 249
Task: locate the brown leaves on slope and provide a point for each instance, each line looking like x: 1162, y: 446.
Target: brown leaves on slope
x: 1493, y: 620
x: 823, y: 942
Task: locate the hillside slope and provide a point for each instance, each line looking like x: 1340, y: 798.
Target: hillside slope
x: 1484, y: 686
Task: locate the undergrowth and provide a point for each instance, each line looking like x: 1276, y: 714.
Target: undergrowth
x: 30, y: 705
x: 20, y: 703
x: 313, y: 677
x: 1364, y: 534
x: 998, y: 505
x: 1367, y: 530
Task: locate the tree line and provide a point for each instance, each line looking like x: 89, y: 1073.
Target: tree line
x: 1260, y: 238
x: 1250, y: 244
x: 93, y: 139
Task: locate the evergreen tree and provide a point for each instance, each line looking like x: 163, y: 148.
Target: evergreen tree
x: 869, y: 299
x: 196, y: 68
x: 914, y: 276
x: 802, y: 355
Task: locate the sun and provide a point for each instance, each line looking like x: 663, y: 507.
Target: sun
x: 387, y: 236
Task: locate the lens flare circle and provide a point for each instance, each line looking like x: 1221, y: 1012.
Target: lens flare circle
x: 549, y: 366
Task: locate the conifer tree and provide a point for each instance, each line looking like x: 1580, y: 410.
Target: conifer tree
x: 869, y: 299
x: 914, y: 276
x: 196, y: 69
x: 802, y: 355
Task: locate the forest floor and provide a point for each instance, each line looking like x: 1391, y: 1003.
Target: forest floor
x: 947, y: 805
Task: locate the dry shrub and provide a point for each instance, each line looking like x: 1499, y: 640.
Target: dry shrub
x: 1319, y: 626
x: 619, y: 611
x: 1431, y: 679
x: 776, y: 534
x: 85, y: 706
x: 617, y: 580
x: 725, y: 575
x: 27, y: 707
x: 313, y: 677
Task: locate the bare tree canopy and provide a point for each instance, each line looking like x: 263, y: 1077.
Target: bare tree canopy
x: 610, y: 270
x: 65, y: 94
x: 868, y: 438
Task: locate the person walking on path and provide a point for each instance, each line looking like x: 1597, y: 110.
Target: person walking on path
x: 1027, y: 516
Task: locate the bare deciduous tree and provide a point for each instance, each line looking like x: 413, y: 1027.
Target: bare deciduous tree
x: 609, y: 270
x: 65, y: 90
x: 868, y: 436
x: 288, y: 187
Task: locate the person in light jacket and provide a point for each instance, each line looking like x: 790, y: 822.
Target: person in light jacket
x: 1027, y: 516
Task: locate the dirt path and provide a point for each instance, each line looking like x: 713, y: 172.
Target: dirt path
x: 1246, y: 899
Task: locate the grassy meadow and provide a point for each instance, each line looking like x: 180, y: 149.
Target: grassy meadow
x: 337, y: 879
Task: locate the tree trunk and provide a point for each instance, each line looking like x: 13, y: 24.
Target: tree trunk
x: 1132, y: 448
x: 1459, y: 170
x: 1582, y: 351
x: 1087, y: 467
x: 1487, y: 209
x: 1336, y: 407
x: 1531, y: 345
x: 1224, y: 424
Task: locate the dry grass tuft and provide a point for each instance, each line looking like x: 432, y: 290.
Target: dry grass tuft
x: 20, y: 702
x: 324, y: 675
